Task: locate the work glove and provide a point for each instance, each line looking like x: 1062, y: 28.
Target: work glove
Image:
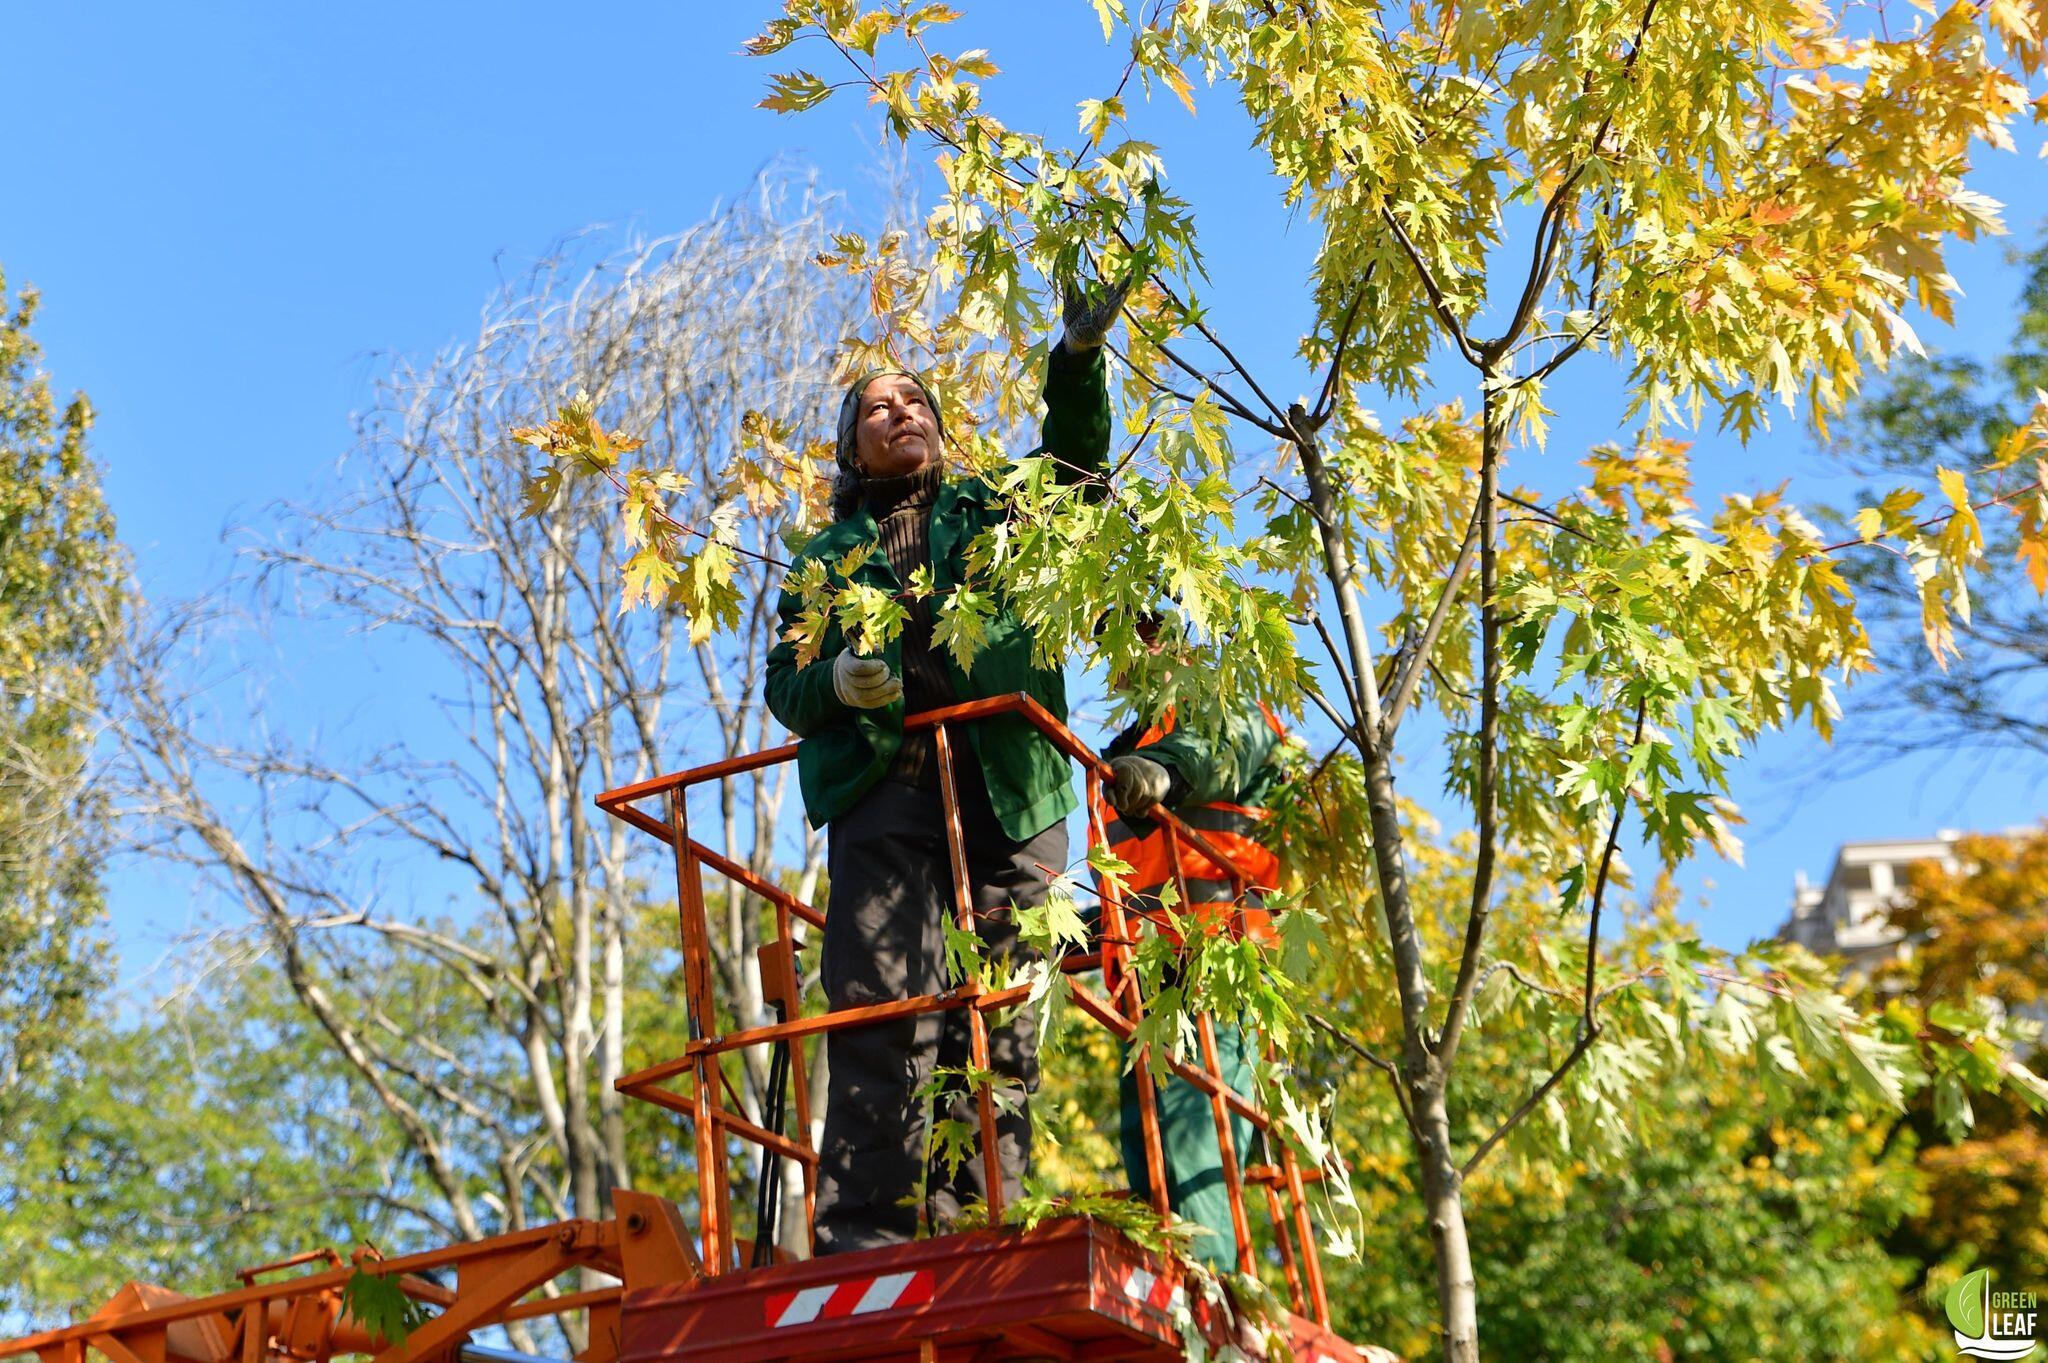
x: 1089, y: 313
x: 1137, y: 784
x: 864, y: 683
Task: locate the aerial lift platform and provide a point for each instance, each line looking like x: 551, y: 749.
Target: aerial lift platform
x: 1072, y: 1288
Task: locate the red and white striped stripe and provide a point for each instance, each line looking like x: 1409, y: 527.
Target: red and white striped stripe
x: 850, y: 1297
x: 1161, y: 1294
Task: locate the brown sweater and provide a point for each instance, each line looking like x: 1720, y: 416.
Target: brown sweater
x: 902, y: 509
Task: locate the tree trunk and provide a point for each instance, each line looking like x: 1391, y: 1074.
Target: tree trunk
x: 1443, y: 1203
x: 1421, y: 1071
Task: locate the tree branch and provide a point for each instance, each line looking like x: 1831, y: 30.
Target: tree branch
x: 1589, y: 1022
x: 1486, y: 774
x: 1411, y: 676
x: 1448, y: 320
x: 1380, y: 1063
x: 1326, y: 399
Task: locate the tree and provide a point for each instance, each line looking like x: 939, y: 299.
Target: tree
x: 60, y: 594
x: 1957, y: 411
x: 457, y: 847
x: 1732, y: 204
x: 1976, y: 934
x: 120, y: 1168
x: 1710, y: 1232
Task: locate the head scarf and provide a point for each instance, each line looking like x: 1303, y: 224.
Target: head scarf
x: 846, y: 489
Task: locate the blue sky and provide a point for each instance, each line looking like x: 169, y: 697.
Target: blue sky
x: 231, y: 210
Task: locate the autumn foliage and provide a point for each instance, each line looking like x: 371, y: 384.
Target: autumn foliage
x: 1737, y: 209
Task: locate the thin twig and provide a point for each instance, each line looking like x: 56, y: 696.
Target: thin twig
x: 1548, y: 516
x: 1326, y: 400
x: 1514, y: 1119
x: 1606, y: 865
x: 1380, y: 1063
x: 1351, y: 697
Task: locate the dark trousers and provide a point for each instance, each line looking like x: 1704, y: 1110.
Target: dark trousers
x: 891, y: 885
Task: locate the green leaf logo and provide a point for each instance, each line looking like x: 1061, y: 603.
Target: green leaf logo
x: 2004, y: 1336
x: 1966, y: 1303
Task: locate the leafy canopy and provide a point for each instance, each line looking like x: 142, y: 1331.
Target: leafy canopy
x: 60, y: 577
x: 1735, y: 207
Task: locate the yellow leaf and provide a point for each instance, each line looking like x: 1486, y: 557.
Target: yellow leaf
x: 1096, y: 115
x: 847, y: 566
x: 1953, y: 487
x: 795, y: 91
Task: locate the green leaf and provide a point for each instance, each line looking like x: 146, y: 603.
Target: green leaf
x: 1878, y: 1067
x: 795, y: 91
x: 1952, y: 1106
x: 382, y: 1306
x: 962, y: 625
x: 1106, y: 863
x: 2033, y: 1088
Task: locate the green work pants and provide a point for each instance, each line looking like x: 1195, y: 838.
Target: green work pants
x: 1195, y: 1186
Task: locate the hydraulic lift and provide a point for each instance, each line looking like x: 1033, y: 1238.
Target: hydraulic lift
x: 1066, y: 1289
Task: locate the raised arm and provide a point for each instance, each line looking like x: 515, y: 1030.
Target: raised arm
x: 1076, y: 431
x: 1077, y: 383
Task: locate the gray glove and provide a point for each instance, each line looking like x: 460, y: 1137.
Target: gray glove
x: 1137, y: 784
x: 1089, y: 313
x: 864, y: 683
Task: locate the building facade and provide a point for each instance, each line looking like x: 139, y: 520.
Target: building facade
x: 1845, y: 917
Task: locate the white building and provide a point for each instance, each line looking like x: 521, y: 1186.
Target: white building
x: 1846, y: 916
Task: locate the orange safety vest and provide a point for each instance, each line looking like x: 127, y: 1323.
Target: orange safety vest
x: 1226, y: 827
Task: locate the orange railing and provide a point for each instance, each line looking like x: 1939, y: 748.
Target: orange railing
x: 304, y: 1319
x: 1120, y: 1008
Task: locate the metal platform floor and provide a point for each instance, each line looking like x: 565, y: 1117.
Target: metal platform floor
x: 1070, y: 1289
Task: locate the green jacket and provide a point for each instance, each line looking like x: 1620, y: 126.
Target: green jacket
x: 842, y: 751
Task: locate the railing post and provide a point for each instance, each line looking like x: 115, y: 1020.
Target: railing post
x: 702, y: 1017
x: 977, y: 1022
x: 1125, y: 994
x: 781, y: 988
x: 1311, y: 1261
x: 799, y: 1073
x: 1296, y: 1302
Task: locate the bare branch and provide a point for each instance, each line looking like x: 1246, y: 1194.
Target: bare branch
x: 1411, y: 676
x: 1380, y: 1063
x: 1453, y: 328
